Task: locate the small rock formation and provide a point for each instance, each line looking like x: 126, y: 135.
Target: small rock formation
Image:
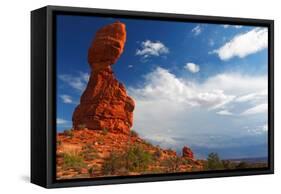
x: 105, y: 103
x: 187, y: 152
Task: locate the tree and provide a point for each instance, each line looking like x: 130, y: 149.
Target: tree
x: 214, y: 162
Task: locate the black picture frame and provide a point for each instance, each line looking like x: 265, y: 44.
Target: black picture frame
x: 43, y: 95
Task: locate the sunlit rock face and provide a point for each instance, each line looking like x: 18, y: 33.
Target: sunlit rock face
x: 105, y: 103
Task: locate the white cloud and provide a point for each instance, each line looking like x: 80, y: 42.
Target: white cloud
x: 163, y: 85
x: 236, y: 83
x: 253, y: 97
x: 130, y: 66
x: 66, y: 99
x: 261, y: 108
x: 244, y: 44
x: 61, y: 121
x: 234, y: 26
x: 192, y: 67
x: 150, y: 48
x: 181, y: 107
x: 264, y: 128
x: 161, y: 139
x: 257, y: 130
x: 224, y: 112
x: 77, y: 82
x: 214, y: 93
x: 197, y: 30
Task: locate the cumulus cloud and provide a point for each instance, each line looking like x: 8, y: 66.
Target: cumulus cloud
x: 237, y: 84
x: 163, y: 85
x: 253, y: 97
x: 61, y: 121
x: 150, y: 48
x: 77, y: 82
x: 224, y: 112
x: 169, y: 106
x: 197, y: 30
x: 66, y: 99
x: 244, y: 44
x: 192, y: 67
x: 261, y: 108
x: 257, y: 130
x: 231, y: 26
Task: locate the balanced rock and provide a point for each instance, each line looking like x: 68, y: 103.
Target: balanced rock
x: 187, y: 152
x: 105, y: 103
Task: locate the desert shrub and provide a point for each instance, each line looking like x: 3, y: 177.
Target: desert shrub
x: 147, y: 143
x: 134, y: 159
x: 157, y: 154
x: 137, y: 159
x: 112, y: 163
x: 213, y: 162
x: 68, y: 133
x: 155, y: 170
x: 227, y: 164
x: 89, y: 152
x: 105, y: 131
x: 59, y: 142
x: 186, y: 161
x: 73, y: 160
x: 194, y: 169
x: 172, y: 164
x: 242, y: 165
x: 81, y: 126
x: 91, y: 170
x: 134, y: 133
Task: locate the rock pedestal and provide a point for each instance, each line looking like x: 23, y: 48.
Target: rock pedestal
x: 105, y: 105
x: 187, y: 152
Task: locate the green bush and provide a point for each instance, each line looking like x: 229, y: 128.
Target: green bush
x: 73, y: 160
x: 227, y: 164
x: 134, y: 133
x: 112, y: 163
x: 157, y: 154
x: 242, y: 165
x: 186, y: 161
x: 59, y: 142
x: 137, y: 159
x: 147, y: 143
x: 89, y: 152
x: 213, y: 162
x: 68, y: 133
x: 134, y: 159
x: 105, y: 131
x: 172, y: 164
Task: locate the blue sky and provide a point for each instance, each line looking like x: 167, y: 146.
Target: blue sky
x: 195, y: 84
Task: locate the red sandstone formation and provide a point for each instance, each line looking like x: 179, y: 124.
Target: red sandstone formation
x: 105, y: 103
x: 187, y: 152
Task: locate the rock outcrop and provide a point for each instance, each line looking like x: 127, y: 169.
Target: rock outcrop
x: 187, y: 153
x: 105, y: 103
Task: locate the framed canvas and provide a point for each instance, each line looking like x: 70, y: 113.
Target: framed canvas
x: 125, y: 96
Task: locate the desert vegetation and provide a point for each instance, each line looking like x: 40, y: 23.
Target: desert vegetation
x: 213, y: 162
x: 87, y: 153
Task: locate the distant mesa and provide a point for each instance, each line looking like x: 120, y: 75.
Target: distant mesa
x: 105, y: 103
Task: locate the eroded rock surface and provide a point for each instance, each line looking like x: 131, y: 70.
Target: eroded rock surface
x: 105, y: 105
